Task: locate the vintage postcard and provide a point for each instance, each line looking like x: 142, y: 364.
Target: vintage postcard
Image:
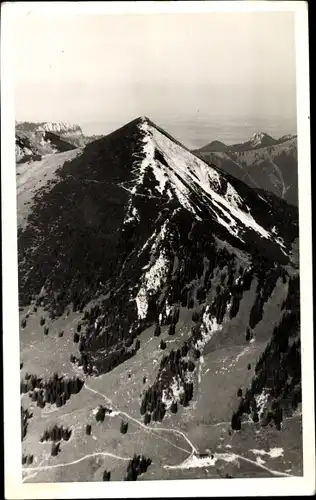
x: 157, y: 253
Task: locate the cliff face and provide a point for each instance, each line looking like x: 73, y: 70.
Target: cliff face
x: 33, y: 140
x: 262, y: 162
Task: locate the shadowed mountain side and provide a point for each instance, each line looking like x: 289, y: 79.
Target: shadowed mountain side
x: 80, y: 221
x: 273, y: 168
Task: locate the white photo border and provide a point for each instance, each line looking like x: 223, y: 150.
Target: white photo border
x: 14, y: 487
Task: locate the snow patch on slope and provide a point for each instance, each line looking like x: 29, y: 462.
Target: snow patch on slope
x: 257, y: 138
x: 194, y: 461
x: 151, y: 283
x: 208, y: 328
x: 132, y: 214
x: 58, y: 127
x: 155, y: 275
x: 261, y: 402
x: 186, y: 174
x: 273, y: 453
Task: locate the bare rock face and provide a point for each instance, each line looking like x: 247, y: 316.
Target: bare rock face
x: 262, y: 162
x: 33, y: 140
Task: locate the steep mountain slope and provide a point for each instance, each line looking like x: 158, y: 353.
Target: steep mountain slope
x: 226, y: 163
x: 139, y: 238
x: 35, y: 176
x: 272, y: 167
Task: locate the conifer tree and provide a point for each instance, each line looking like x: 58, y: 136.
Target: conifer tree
x: 55, y: 449
x: 174, y: 407
x: 236, y: 422
x: 163, y: 344
x: 147, y: 418
x: 157, y: 330
x: 106, y: 475
x: 124, y: 427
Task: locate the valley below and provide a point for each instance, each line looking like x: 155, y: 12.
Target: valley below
x: 196, y: 443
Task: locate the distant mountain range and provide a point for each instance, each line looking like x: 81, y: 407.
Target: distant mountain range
x: 35, y: 139
x: 261, y: 162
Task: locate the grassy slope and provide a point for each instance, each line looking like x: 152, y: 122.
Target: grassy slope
x: 205, y: 422
x: 31, y: 177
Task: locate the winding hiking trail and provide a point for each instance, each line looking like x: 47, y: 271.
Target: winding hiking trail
x: 188, y: 463
x: 146, y: 427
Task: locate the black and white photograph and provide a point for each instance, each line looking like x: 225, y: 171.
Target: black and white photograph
x: 157, y: 269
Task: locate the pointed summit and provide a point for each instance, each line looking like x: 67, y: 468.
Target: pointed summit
x: 144, y: 118
x: 258, y: 135
x: 261, y: 139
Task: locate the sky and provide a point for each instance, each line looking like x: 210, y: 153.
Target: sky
x: 198, y: 74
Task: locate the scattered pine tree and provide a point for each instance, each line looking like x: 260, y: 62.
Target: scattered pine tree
x: 172, y: 329
x: 157, y: 330
x: 147, y: 418
x: 124, y: 427
x: 174, y: 407
x: 248, y: 335
x: 163, y: 344
x: 55, y: 449
x: 106, y: 475
x: 236, y: 422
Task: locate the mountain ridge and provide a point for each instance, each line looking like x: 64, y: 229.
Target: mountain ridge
x: 36, y: 139
x: 272, y: 167
x: 160, y: 266
x: 256, y: 141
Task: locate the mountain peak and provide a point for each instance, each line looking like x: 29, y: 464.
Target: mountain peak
x: 261, y: 139
x: 259, y: 135
x: 58, y: 127
x: 165, y: 170
x: 141, y: 119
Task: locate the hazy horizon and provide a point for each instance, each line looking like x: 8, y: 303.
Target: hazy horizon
x: 196, y: 133
x: 212, y: 76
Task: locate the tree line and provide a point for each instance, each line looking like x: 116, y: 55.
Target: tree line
x: 56, y: 390
x: 56, y: 433
x: 25, y: 416
x: 278, y: 369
